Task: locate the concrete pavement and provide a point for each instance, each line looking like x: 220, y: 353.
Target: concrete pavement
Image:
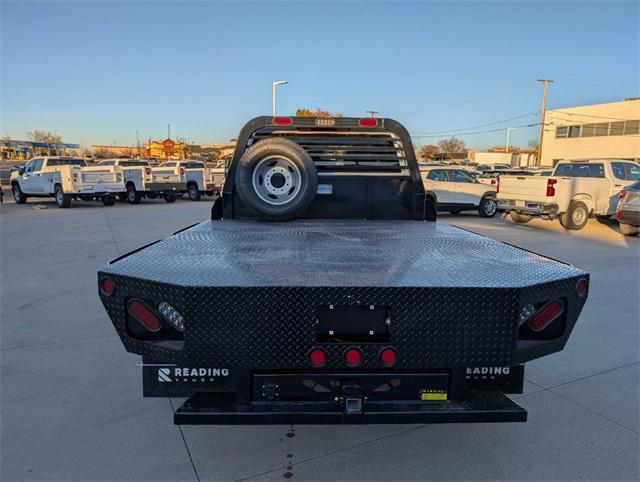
x: 72, y: 406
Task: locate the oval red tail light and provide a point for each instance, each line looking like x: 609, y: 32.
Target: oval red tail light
x: 546, y: 316
x: 107, y: 286
x: 144, y: 315
x: 182, y: 171
x: 147, y: 171
x: 353, y: 357
x: 317, y: 357
x: 368, y: 122
x: 388, y: 357
x: 581, y: 287
x: 282, y: 121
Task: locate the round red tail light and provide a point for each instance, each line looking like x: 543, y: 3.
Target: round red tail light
x: 388, y: 357
x: 144, y: 315
x: 353, y: 357
x: 317, y: 357
x: 107, y: 286
x: 581, y: 287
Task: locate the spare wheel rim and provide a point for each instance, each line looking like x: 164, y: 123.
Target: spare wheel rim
x: 276, y: 180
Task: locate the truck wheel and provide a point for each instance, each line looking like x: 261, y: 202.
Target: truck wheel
x: 62, y: 200
x: 194, y: 192
x: 170, y: 198
x: 18, y: 195
x: 488, y: 207
x: 520, y: 218
x: 576, y: 216
x: 276, y: 178
x: 109, y: 200
x: 133, y: 196
x: 629, y: 230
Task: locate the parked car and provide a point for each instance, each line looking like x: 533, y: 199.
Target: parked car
x: 456, y: 190
x: 493, y: 167
x: 196, y: 178
x: 628, y: 210
x: 66, y: 178
x: 576, y: 190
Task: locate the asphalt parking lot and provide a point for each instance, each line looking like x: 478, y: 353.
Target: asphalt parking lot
x: 72, y: 406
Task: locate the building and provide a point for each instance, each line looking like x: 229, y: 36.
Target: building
x: 610, y: 130
x: 513, y: 156
x: 22, y: 150
x: 166, y: 149
x: 108, y: 152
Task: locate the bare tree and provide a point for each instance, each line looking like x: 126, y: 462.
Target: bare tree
x: 452, y: 146
x: 305, y: 112
x: 428, y: 151
x: 44, y: 136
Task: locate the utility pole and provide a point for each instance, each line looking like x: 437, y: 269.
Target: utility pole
x: 543, y: 114
x: 273, y: 93
x: 169, y: 131
x: 372, y: 112
x: 137, y: 144
x: 509, y: 129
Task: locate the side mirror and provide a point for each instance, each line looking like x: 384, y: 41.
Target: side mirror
x: 21, y: 170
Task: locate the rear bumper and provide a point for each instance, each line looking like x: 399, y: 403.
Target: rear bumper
x: 529, y: 207
x: 164, y: 187
x: 218, y: 409
x: 102, y: 188
x: 628, y: 217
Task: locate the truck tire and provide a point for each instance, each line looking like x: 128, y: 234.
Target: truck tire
x: 170, y: 198
x: 520, y: 218
x: 62, y: 200
x: 488, y: 207
x: 276, y: 178
x: 629, y: 229
x: 109, y: 200
x: 193, y: 192
x: 18, y: 195
x: 576, y: 216
x: 133, y: 195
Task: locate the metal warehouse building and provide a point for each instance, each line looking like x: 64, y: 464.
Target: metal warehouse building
x: 610, y: 130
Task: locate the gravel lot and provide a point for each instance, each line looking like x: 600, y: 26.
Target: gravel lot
x: 72, y: 406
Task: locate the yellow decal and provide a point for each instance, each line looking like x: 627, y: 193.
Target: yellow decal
x: 433, y: 395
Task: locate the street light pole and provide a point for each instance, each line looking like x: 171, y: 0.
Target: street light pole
x: 273, y: 97
x: 509, y: 129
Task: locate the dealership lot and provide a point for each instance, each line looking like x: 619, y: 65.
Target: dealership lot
x: 72, y: 406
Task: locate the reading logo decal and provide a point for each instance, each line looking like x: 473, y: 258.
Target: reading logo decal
x: 191, y: 374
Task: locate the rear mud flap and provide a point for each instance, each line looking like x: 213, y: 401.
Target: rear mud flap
x: 221, y: 409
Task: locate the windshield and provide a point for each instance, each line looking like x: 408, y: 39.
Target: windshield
x: 66, y: 162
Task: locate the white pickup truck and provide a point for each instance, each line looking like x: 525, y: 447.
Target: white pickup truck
x: 195, y: 176
x: 576, y: 190
x: 66, y: 178
x: 140, y: 181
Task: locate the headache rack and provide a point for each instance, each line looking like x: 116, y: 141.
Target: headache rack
x: 338, y: 150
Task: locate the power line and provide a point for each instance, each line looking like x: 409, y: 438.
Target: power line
x: 478, y: 132
x: 478, y: 127
x: 553, y: 113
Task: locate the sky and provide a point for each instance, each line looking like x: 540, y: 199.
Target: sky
x: 95, y: 72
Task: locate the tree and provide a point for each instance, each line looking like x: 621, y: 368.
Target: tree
x: 428, y: 151
x: 44, y: 136
x: 452, y: 146
x: 305, y: 112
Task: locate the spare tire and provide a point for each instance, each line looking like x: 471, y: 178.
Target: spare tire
x: 277, y: 179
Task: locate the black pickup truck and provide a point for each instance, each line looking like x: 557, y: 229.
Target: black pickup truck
x: 322, y: 291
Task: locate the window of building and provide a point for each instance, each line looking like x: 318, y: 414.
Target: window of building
x: 616, y: 129
x: 588, y: 130
x: 574, y: 131
x: 561, y: 131
x: 602, y: 129
x: 631, y: 127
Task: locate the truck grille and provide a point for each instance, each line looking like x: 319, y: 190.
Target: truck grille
x: 346, y: 151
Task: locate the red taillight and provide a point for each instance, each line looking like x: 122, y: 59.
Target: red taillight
x: 494, y: 182
x: 147, y: 171
x: 619, y: 215
x: 182, y: 171
x: 282, y: 121
x: 622, y: 194
x: 546, y: 316
x: 388, y: 357
x: 581, y: 287
x: 353, y: 357
x: 551, y: 190
x: 144, y: 315
x: 368, y: 122
x: 498, y: 186
x: 317, y: 357
x: 107, y: 286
